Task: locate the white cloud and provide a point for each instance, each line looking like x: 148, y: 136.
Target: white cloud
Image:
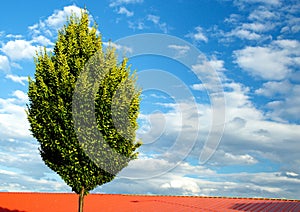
x: 14, y: 36
x: 209, y: 71
x: 262, y: 19
x: 18, y: 79
x: 243, y: 34
x: 46, y: 29
x: 222, y: 158
x: 272, y: 88
x: 292, y: 174
x: 148, y: 168
x: 233, y: 19
x: 19, y: 49
x: 124, y: 11
x: 144, y: 23
x: 274, y: 2
x: 115, y: 3
x: 13, y: 119
x: 264, y: 61
x: 248, y: 132
x: 245, y: 3
x: 42, y: 40
x: 186, y: 185
x: 20, y: 95
x: 198, y: 87
x: 59, y: 17
x: 156, y: 21
x: 200, y: 181
x: 290, y: 45
x: 258, y: 27
x: 294, y: 24
x: 249, y: 30
x: 216, y: 64
x: 262, y: 14
x: 21, y: 166
x: 139, y: 24
x: 198, y: 35
x: 4, y: 63
x: 236, y: 124
x: 240, y: 159
x: 180, y: 124
x: 29, y: 180
x: 180, y: 50
x: 287, y: 108
x: 36, y: 29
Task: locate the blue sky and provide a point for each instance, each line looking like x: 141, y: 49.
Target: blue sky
x: 214, y: 69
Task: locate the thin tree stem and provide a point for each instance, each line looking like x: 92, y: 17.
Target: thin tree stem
x: 81, y: 198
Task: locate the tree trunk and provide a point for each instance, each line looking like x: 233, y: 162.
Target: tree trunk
x: 81, y: 198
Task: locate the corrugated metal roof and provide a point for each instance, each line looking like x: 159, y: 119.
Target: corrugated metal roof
x: 44, y: 202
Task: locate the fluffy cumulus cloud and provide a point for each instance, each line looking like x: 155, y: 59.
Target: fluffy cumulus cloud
x: 19, y: 49
x: 46, y: 29
x: 243, y: 33
x: 273, y: 88
x: 257, y: 27
x: 263, y: 62
x: 282, y: 102
x: 198, y: 35
x: 262, y: 14
x: 286, y: 108
x: 186, y: 186
x: 4, y: 63
x: 59, y: 17
x: 42, y: 40
x: 13, y: 119
x: 249, y: 132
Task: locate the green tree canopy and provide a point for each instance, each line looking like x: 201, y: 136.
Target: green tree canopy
x: 77, y: 73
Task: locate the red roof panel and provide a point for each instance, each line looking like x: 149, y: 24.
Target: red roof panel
x: 44, y: 202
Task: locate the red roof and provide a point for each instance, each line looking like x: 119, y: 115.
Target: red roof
x: 44, y: 202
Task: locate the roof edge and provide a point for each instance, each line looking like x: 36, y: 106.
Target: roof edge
x: 156, y: 195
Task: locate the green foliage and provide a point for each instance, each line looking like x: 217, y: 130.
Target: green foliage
x: 76, y: 152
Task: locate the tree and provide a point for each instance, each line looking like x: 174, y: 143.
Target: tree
x: 83, y: 108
